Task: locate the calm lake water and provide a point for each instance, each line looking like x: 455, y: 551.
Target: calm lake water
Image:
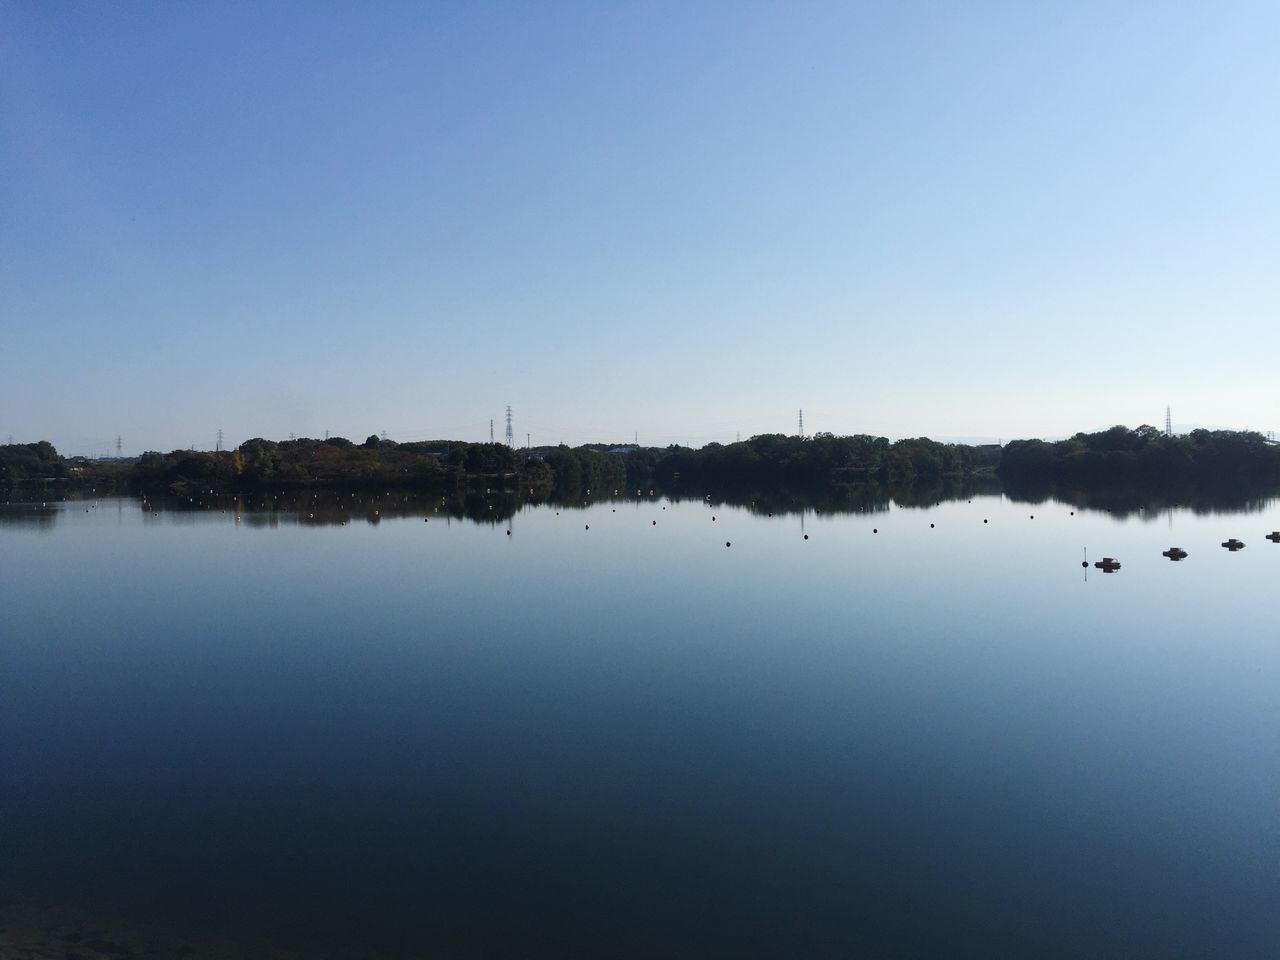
x: 334, y: 730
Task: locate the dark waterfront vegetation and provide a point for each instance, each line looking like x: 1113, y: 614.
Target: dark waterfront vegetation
x: 1114, y: 466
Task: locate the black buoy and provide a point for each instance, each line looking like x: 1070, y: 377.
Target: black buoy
x: 984, y: 521
x: 1085, y: 564
x: 1233, y: 544
x: 875, y: 529
x: 806, y: 536
x: 931, y: 526
x: 587, y: 527
x: 1274, y: 536
x: 726, y: 543
x: 508, y: 533
x: 1033, y: 516
x: 655, y: 523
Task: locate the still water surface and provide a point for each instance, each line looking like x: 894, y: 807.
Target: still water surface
x: 358, y: 734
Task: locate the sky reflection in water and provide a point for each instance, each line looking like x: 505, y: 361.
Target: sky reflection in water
x: 359, y: 738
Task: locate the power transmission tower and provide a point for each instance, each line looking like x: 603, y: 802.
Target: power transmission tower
x: 801, y: 424
x: 119, y: 446
x: 384, y: 434
x: 1168, y: 421
x: 528, y: 445
x: 491, y: 429
x: 219, y: 446
x: 511, y: 437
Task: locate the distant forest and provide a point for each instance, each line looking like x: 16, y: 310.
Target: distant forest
x: 1144, y: 455
x: 1118, y: 456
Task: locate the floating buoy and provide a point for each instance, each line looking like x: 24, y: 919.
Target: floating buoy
x: 984, y: 521
x: 726, y: 543
x: 875, y: 530
x: 1175, y: 553
x: 1108, y: 565
x: 587, y: 527
x: 1033, y: 516
x: 508, y: 533
x: 806, y: 536
x: 1274, y: 536
x: 931, y: 526
x: 1233, y: 544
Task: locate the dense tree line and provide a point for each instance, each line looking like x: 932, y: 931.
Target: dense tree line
x: 1122, y: 456
x: 771, y: 459
x: 30, y: 461
x: 1118, y: 457
x: 335, y: 460
x: 576, y: 470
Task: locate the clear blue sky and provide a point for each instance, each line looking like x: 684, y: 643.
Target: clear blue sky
x: 683, y: 219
